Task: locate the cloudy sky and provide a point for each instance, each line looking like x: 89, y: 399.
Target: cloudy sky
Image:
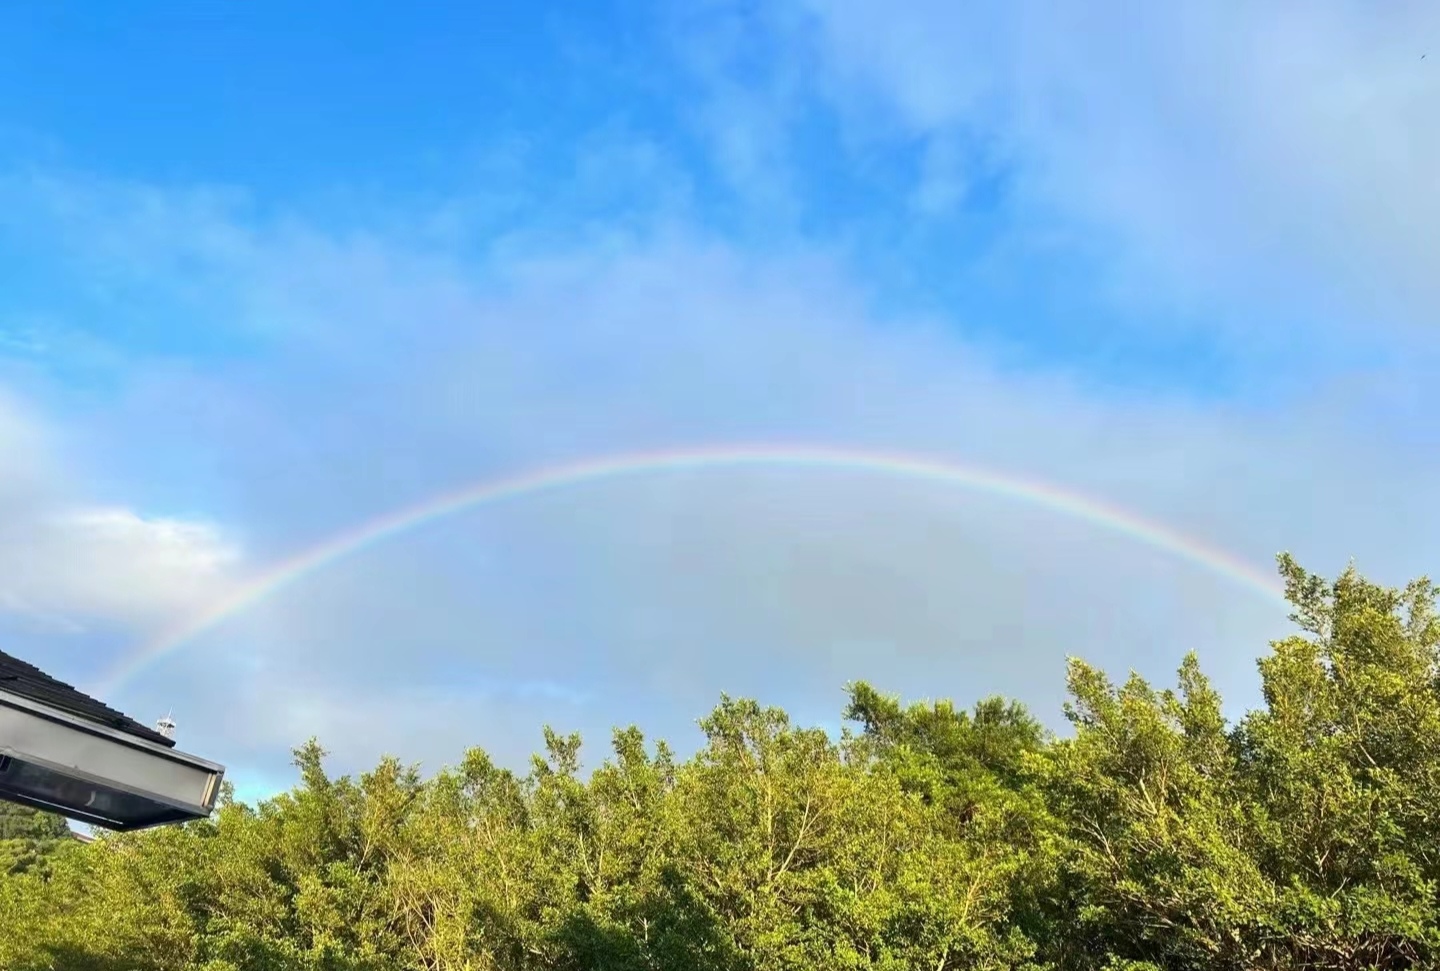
x: 270, y: 273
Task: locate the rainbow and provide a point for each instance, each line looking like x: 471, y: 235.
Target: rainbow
x: 933, y: 470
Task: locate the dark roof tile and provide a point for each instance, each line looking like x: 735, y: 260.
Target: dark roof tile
x: 28, y: 681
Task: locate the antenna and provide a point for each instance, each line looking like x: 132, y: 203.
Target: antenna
x: 166, y: 726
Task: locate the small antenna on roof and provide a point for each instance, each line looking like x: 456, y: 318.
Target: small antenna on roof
x: 166, y: 726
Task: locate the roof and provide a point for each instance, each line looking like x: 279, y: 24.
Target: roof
x: 28, y: 681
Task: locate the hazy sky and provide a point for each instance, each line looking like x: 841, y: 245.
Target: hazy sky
x: 271, y: 271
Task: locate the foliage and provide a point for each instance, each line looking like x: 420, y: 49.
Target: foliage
x: 27, y: 836
x: 1154, y: 835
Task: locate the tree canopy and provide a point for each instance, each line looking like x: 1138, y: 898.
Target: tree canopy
x: 1154, y: 835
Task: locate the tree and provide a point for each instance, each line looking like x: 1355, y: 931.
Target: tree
x: 1156, y: 865
x: 1341, y: 767
x: 1155, y: 836
x: 28, y: 836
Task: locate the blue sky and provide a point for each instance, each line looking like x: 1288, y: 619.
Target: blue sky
x: 271, y: 272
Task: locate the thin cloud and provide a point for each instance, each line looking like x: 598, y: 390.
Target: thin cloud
x: 1197, y: 160
x: 1234, y: 151
x: 66, y: 565
x: 649, y: 598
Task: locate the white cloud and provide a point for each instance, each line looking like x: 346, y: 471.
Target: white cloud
x: 1236, y: 150
x: 1247, y: 170
x: 654, y: 595
x: 66, y: 565
x: 1206, y: 156
x: 115, y: 564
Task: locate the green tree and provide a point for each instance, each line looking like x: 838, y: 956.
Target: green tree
x: 1154, y: 836
x: 1341, y: 767
x: 1156, y: 864
x: 28, y: 836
